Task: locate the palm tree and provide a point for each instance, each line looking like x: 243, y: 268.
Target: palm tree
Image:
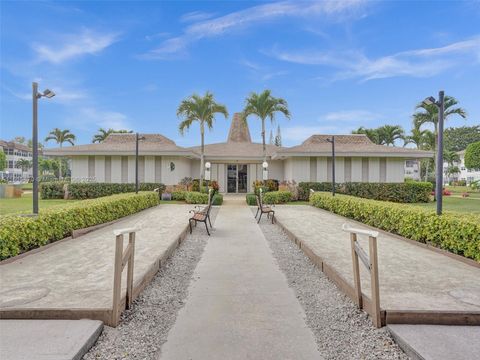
x: 372, y: 134
x: 201, y: 109
x: 103, y: 134
x: 24, y: 165
x: 264, y: 105
x: 388, y: 134
x: 61, y: 137
x: 429, y: 115
x: 417, y: 137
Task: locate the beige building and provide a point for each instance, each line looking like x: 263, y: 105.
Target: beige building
x: 236, y: 163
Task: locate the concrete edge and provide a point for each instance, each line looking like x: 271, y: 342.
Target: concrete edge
x: 404, y: 345
x: 89, y: 343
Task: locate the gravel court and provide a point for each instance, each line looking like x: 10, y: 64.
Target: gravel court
x: 144, y: 328
x: 341, y: 330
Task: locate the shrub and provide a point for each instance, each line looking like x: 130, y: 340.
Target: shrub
x: 94, y: 190
x: 20, y: 233
x: 458, y: 233
x: 277, y: 197
x: 290, y: 186
x: 52, y: 190
x: 195, y: 197
x: 407, y: 192
x: 472, y: 156
x: 251, y: 199
x: 179, y: 195
x: 217, y: 199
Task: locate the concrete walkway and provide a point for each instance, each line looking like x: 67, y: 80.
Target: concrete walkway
x: 240, y: 305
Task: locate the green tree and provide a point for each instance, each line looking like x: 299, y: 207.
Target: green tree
x: 201, y: 109
x: 3, y: 160
x: 472, y: 156
x: 388, y: 134
x: 264, y: 106
x: 24, y: 165
x: 428, y: 114
x: 451, y: 157
x: 103, y: 134
x: 372, y: 134
x: 417, y: 137
x: 60, y: 137
x: 457, y: 139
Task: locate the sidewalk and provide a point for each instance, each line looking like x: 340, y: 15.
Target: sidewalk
x: 239, y: 305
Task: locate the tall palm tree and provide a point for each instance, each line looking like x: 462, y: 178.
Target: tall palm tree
x: 103, y: 134
x: 428, y: 114
x: 201, y: 109
x: 372, y: 134
x: 417, y: 137
x: 390, y: 133
x: 264, y: 105
x: 60, y: 137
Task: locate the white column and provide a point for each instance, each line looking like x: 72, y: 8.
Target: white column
x: 374, y: 170
x: 221, y: 177
x: 131, y: 169
x: 100, y: 168
x: 356, y: 169
x: 149, y: 169
x: 339, y: 169
x: 322, y: 169
x: 116, y: 169
x: 395, y: 170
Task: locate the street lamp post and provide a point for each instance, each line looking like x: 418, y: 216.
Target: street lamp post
x: 332, y: 141
x: 440, y: 104
x: 137, y: 140
x: 35, y: 96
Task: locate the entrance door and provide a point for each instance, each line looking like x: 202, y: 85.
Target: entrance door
x: 232, y: 178
x: 237, y: 178
x: 242, y: 178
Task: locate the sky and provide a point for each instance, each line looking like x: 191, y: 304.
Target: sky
x: 340, y: 65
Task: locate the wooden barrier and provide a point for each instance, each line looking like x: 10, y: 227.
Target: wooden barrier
x: 371, y: 263
x: 122, y: 258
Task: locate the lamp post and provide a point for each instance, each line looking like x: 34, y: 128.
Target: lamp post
x: 332, y: 141
x: 207, y: 172
x: 440, y: 104
x: 137, y: 139
x: 35, y: 96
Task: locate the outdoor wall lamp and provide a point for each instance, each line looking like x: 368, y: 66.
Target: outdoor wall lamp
x: 35, y: 96
x: 440, y: 104
x: 207, y: 171
x: 265, y: 170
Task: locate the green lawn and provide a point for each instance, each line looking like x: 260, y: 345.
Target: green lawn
x: 27, y: 186
x: 458, y: 204
x: 24, y: 204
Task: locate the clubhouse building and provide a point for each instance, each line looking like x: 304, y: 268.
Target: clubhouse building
x: 236, y: 163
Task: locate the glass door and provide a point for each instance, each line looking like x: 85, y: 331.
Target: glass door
x: 232, y: 178
x: 242, y: 178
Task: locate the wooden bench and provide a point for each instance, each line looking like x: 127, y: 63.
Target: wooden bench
x: 202, y: 214
x: 262, y: 208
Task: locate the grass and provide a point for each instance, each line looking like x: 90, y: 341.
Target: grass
x: 27, y: 186
x: 24, y: 204
x: 457, y: 204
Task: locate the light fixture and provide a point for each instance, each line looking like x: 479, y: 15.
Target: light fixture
x: 430, y: 101
x: 48, y: 93
x: 207, y: 165
x: 265, y: 165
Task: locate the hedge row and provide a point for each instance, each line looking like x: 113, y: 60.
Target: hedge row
x: 277, y: 197
x: 407, y: 192
x: 20, y: 233
x: 457, y: 233
x: 55, y: 190
x: 195, y: 197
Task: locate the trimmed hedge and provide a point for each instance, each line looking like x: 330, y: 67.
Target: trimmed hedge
x: 20, y: 233
x: 179, y: 195
x: 407, y: 192
x: 95, y: 190
x: 52, y: 190
x: 251, y: 199
x: 217, y: 199
x: 277, y: 197
x: 457, y: 233
x: 195, y: 197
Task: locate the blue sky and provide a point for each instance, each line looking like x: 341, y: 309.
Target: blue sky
x: 340, y: 65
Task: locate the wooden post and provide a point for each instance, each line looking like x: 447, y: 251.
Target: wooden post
x: 356, y: 271
x: 377, y: 320
x: 117, y: 279
x: 131, y: 244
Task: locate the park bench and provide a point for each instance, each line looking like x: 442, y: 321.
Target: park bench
x: 202, y: 214
x: 262, y: 208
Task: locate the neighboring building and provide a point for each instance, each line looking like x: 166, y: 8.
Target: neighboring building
x: 14, y: 152
x: 237, y: 162
x: 465, y: 174
x: 412, y: 169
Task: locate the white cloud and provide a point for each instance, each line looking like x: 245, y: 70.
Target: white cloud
x: 419, y: 63
x: 196, y: 16
x: 260, y: 72
x: 71, y: 46
x: 248, y: 17
x: 88, y: 117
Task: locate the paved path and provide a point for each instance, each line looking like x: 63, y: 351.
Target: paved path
x: 240, y: 305
x: 411, y: 277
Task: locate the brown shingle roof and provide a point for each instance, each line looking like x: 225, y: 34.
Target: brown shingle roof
x: 14, y: 145
x: 239, y: 131
x: 236, y: 150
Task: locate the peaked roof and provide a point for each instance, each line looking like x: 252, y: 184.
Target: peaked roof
x: 239, y: 131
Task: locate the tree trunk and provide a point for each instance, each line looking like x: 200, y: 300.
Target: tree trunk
x: 60, y: 166
x: 263, y: 141
x: 202, y: 133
